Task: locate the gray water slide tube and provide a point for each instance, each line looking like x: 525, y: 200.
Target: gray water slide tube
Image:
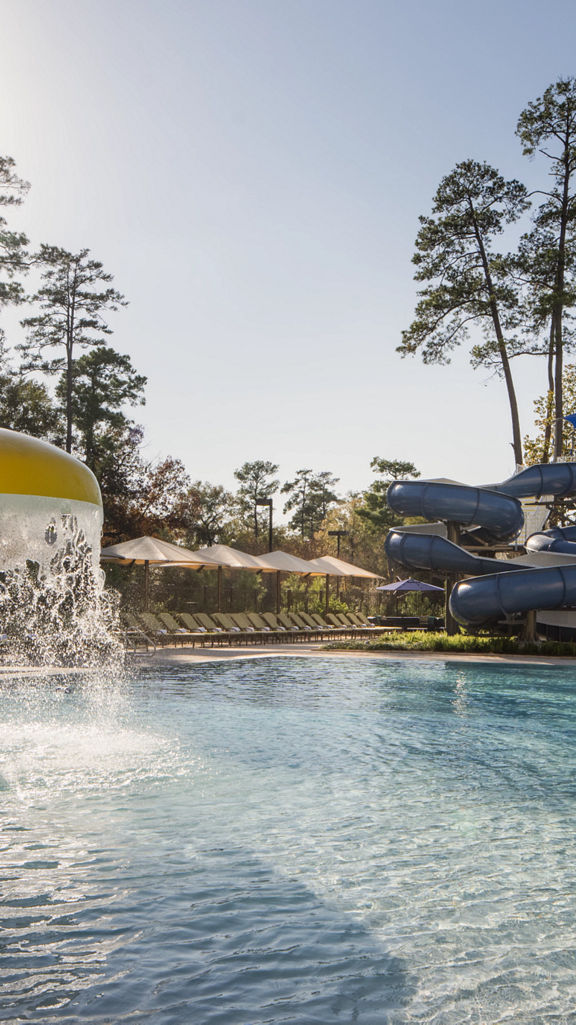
x: 559, y: 539
x: 500, y: 514
x: 495, y: 507
x: 480, y: 599
x: 498, y: 587
x: 425, y: 551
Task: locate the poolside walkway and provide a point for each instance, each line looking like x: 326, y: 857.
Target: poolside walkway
x: 197, y: 656
x: 205, y: 656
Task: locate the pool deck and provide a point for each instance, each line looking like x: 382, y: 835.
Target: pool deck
x: 197, y: 656
x: 183, y: 656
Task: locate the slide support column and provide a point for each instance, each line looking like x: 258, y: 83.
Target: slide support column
x: 451, y: 578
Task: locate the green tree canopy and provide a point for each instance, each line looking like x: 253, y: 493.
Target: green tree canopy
x: 374, y: 508
x: 104, y: 382
x: 547, y: 127
x: 14, y: 257
x: 257, y: 480
x: 311, y: 496
x: 208, y: 512
x: 25, y: 405
x: 122, y: 475
x: 75, y: 298
x: 535, y: 446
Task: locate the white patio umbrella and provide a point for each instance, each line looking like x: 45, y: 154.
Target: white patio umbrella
x: 334, y: 567
x: 232, y: 558
x: 222, y: 556
x: 338, y: 568
x: 283, y: 562
x: 153, y: 551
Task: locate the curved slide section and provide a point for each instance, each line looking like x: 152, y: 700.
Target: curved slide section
x: 559, y: 539
x: 558, y: 479
x: 427, y: 551
x: 496, y: 587
x: 480, y: 599
x: 496, y: 507
x: 501, y: 515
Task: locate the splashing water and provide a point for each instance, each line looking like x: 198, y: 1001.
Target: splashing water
x: 53, y: 606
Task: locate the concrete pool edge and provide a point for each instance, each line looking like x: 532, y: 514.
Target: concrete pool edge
x: 241, y: 653
x: 197, y: 656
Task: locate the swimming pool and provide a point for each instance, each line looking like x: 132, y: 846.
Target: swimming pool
x: 291, y: 841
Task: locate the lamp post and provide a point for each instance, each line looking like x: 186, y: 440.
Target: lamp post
x: 338, y: 534
x: 267, y: 502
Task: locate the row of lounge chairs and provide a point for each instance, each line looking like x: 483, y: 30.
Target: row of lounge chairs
x: 166, y: 628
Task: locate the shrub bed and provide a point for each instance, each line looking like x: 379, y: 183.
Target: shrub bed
x: 420, y: 640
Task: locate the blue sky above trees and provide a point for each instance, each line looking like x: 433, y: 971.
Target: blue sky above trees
x: 252, y: 174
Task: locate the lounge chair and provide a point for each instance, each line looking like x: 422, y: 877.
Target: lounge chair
x: 227, y: 623
x: 301, y: 621
x: 184, y: 633
x: 212, y: 628
x: 243, y: 621
x: 358, y: 620
x: 363, y: 624
x: 356, y: 630
x: 344, y: 627
x: 155, y: 628
x: 288, y: 632
x: 133, y: 634
x: 336, y: 631
x: 302, y: 632
x: 191, y: 623
x: 259, y: 622
x: 316, y: 624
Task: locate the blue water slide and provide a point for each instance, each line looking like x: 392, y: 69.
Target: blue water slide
x: 497, y: 587
x: 496, y: 507
x: 481, y: 599
x: 558, y: 539
x: 427, y: 551
x: 500, y: 514
x: 557, y: 479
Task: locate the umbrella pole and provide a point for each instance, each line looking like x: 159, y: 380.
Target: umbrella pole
x: 219, y: 598
x: 146, y: 586
x: 278, y: 593
x: 327, y: 598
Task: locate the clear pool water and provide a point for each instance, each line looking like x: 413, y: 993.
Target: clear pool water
x: 291, y: 841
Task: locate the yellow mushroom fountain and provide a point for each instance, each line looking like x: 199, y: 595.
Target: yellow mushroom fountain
x: 52, y: 604
x: 40, y: 484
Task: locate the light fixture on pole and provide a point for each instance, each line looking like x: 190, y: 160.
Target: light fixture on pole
x: 338, y: 534
x: 267, y: 502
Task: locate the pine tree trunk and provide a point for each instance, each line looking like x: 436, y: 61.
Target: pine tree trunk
x: 70, y: 311
x: 506, y: 369
x: 68, y: 398
x: 548, y: 425
x: 558, y: 311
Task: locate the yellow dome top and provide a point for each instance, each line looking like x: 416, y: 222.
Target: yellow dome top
x: 32, y: 467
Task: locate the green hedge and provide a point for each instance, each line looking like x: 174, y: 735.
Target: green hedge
x: 420, y: 640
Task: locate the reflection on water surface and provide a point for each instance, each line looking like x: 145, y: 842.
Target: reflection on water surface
x: 290, y: 841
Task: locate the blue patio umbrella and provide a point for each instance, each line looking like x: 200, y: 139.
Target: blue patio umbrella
x: 404, y: 586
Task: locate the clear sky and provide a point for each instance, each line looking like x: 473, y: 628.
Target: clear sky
x: 252, y: 172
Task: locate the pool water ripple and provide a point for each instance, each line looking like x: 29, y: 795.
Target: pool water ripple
x: 291, y: 841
